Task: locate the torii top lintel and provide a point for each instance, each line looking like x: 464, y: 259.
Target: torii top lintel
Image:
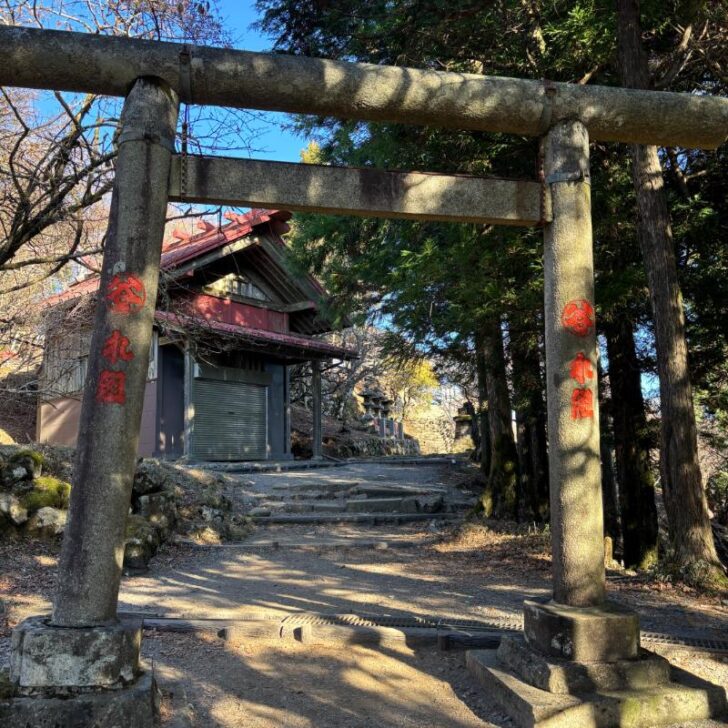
x: 108, y: 65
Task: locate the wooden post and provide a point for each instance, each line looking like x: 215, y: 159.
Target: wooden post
x: 93, y: 546
x: 316, y: 390
x: 577, y: 525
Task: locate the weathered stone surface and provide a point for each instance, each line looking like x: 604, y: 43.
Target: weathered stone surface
x: 134, y: 706
x: 159, y: 510
x: 368, y: 192
x: 664, y: 705
x: 429, y: 503
x: 565, y: 677
x: 577, y: 524
x: 380, y: 505
x: 259, y: 511
x: 48, y: 522
x: 526, y: 705
x: 328, y: 507
x: 89, y: 565
x: 149, y: 477
x: 582, y: 634
x: 46, y: 657
x: 142, y: 542
x: 225, y: 77
x: 23, y: 465
x: 393, y: 490
x: 137, y: 555
x: 13, y: 509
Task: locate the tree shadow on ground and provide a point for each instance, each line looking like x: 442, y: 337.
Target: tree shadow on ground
x: 284, y: 684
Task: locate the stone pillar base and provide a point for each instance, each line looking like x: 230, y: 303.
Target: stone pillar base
x: 608, y: 633
x: 78, y: 677
x: 133, y: 706
x: 48, y: 660
x: 684, y: 699
x: 564, y: 677
x: 577, y: 667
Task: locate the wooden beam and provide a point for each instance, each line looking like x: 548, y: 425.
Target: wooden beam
x: 109, y: 65
x: 363, y: 192
x: 300, y: 306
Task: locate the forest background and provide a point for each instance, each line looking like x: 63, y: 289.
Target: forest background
x: 466, y: 298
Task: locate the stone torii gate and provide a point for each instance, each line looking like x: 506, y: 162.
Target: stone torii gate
x: 578, y: 641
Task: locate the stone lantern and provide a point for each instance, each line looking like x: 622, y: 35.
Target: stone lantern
x: 463, y: 425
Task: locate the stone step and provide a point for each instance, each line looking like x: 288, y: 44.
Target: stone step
x: 318, y: 485
x: 410, y: 504
x: 567, y: 677
x: 305, y: 507
x: 391, y: 490
x: 368, y: 518
x: 421, y: 504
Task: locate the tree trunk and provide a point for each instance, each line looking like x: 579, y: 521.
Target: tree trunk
x: 502, y: 499
x: 690, y: 532
x: 631, y: 444
x: 474, y: 427
x: 524, y: 484
x: 483, y: 417
x: 530, y: 409
x: 606, y: 445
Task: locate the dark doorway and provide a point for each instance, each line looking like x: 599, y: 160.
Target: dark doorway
x: 171, y: 402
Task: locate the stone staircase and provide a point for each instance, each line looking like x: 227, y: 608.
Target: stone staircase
x: 349, y: 501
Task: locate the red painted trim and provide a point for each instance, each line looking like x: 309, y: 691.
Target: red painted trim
x: 227, y: 311
x: 304, y: 343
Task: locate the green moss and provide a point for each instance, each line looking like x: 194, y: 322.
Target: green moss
x: 46, y: 491
x: 649, y: 559
x: 486, y: 502
x: 21, y: 455
x: 503, y: 478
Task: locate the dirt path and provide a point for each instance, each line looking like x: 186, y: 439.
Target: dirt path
x: 276, y: 685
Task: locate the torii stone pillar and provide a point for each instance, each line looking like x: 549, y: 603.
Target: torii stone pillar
x: 578, y: 624
x: 571, y: 362
x: 89, y: 645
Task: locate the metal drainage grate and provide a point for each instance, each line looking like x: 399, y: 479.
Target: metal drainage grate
x: 494, y: 624
x: 685, y: 641
x: 404, y: 622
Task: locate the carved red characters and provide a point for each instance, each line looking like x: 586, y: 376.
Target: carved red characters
x: 582, y: 404
x: 112, y: 387
x: 116, y: 348
x: 126, y: 294
x: 578, y: 317
x: 581, y: 369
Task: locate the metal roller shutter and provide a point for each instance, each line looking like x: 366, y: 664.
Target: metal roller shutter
x: 231, y: 421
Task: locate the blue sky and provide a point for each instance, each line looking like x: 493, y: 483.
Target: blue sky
x: 274, y: 143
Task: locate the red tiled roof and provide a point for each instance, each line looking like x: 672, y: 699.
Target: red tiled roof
x: 290, y: 341
x: 182, y: 251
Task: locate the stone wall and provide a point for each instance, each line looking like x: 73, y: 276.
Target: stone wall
x: 433, y: 429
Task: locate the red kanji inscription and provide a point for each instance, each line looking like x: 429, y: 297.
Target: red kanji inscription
x: 578, y: 317
x: 111, y: 388
x: 582, y: 404
x: 126, y: 294
x: 116, y: 348
x: 581, y: 368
